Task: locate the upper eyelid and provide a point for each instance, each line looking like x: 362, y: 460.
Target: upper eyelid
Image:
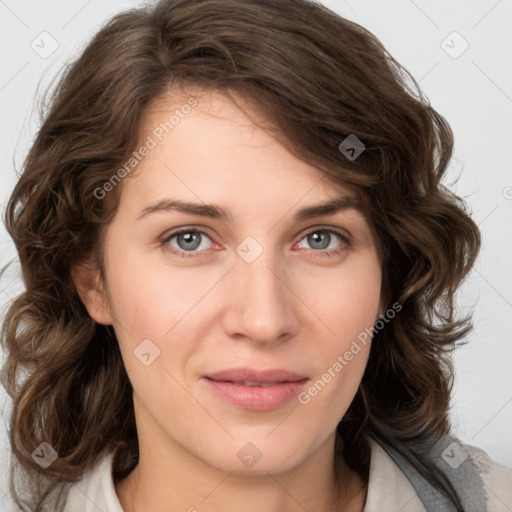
x: 341, y: 232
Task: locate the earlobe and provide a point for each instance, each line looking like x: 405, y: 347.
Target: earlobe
x: 381, y: 311
x: 88, y: 286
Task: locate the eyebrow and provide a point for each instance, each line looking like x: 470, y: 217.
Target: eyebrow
x: 214, y: 211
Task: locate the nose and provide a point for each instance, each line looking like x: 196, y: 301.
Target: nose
x: 260, y: 308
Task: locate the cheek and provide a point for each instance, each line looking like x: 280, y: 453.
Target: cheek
x: 161, y: 305
x: 149, y: 301
x: 347, y: 301
x: 332, y: 390
x: 348, y: 307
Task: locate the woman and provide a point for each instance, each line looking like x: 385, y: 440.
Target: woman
x: 187, y: 344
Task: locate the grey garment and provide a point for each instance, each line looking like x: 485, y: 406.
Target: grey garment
x: 449, y: 455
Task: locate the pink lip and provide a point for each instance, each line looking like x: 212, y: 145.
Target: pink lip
x: 227, y: 385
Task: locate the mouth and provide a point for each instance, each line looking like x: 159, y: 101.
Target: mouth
x: 253, y: 384
x: 255, y: 389
x: 256, y: 377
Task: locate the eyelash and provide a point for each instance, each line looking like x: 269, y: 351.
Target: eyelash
x: 345, y: 242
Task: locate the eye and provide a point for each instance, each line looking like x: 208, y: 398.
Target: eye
x: 190, y: 242
x: 321, y: 239
x: 187, y: 240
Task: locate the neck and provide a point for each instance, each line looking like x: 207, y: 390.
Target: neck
x: 193, y: 486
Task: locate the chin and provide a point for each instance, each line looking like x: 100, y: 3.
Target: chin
x: 255, y: 458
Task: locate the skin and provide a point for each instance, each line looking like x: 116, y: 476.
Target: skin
x: 291, y: 308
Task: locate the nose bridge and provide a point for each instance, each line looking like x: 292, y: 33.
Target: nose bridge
x: 260, y: 308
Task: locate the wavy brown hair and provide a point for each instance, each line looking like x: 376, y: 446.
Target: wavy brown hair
x: 318, y: 78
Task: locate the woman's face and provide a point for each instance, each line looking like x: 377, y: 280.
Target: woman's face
x: 264, y: 287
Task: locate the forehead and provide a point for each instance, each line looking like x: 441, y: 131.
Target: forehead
x: 204, y: 147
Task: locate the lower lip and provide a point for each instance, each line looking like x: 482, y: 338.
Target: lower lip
x: 256, y: 398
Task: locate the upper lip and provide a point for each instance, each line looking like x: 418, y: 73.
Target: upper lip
x: 251, y: 375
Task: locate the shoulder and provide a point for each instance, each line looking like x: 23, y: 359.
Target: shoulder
x: 497, y: 479
x: 95, y: 491
x: 394, y: 484
x: 389, y: 489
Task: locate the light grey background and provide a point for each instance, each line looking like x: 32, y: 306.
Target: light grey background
x: 472, y: 90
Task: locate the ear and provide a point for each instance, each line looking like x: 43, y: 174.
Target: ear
x: 89, y: 287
